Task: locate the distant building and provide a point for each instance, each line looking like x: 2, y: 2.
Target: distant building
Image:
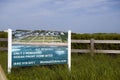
x: 62, y: 33
x: 18, y: 35
x: 36, y: 34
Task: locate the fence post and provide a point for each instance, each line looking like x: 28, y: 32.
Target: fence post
x: 9, y: 50
x: 92, y: 46
x: 2, y: 74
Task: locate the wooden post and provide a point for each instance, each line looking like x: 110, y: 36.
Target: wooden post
x: 9, y: 50
x: 2, y: 74
x: 92, y: 46
x: 69, y: 50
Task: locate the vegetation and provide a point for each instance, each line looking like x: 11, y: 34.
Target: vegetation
x: 3, y: 35
x: 84, y: 67
x: 64, y: 37
x: 97, y: 36
x: 40, y: 39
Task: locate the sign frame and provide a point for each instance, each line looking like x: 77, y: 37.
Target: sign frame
x: 10, y: 50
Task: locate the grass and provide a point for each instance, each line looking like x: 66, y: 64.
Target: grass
x: 84, y: 67
x: 3, y: 60
x: 41, y: 39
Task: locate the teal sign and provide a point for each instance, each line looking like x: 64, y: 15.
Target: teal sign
x: 39, y: 47
x: 29, y: 55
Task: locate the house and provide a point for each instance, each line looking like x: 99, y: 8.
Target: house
x: 62, y: 33
x: 36, y: 34
x: 18, y: 36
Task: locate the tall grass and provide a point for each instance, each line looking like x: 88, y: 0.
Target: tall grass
x: 84, y: 67
x: 3, y: 35
x: 3, y: 60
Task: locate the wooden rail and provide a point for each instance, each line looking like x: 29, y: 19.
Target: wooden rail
x: 3, y: 39
x: 96, y: 41
x: 92, y: 42
x: 96, y: 51
x: 3, y: 48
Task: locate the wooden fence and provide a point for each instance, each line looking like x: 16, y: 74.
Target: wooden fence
x: 3, y: 48
x: 92, y: 42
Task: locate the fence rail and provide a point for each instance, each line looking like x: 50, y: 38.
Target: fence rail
x: 92, y: 42
x: 96, y: 51
x: 3, y: 39
x: 3, y: 48
x: 96, y: 41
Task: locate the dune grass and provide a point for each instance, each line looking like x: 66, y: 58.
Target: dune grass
x: 84, y: 67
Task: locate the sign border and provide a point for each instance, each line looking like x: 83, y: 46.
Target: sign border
x: 69, y: 50
x: 10, y: 50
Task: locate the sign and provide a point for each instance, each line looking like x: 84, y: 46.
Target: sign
x: 28, y: 55
x: 38, y: 47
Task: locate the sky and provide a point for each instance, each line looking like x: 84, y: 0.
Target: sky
x: 80, y: 16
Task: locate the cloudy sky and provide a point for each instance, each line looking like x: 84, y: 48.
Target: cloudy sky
x: 82, y: 16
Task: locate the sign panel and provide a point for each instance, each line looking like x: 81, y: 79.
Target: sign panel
x: 38, y: 47
x: 28, y: 55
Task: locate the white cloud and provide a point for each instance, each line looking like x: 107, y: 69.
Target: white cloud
x: 76, y: 4
x: 53, y: 7
x: 57, y: 12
